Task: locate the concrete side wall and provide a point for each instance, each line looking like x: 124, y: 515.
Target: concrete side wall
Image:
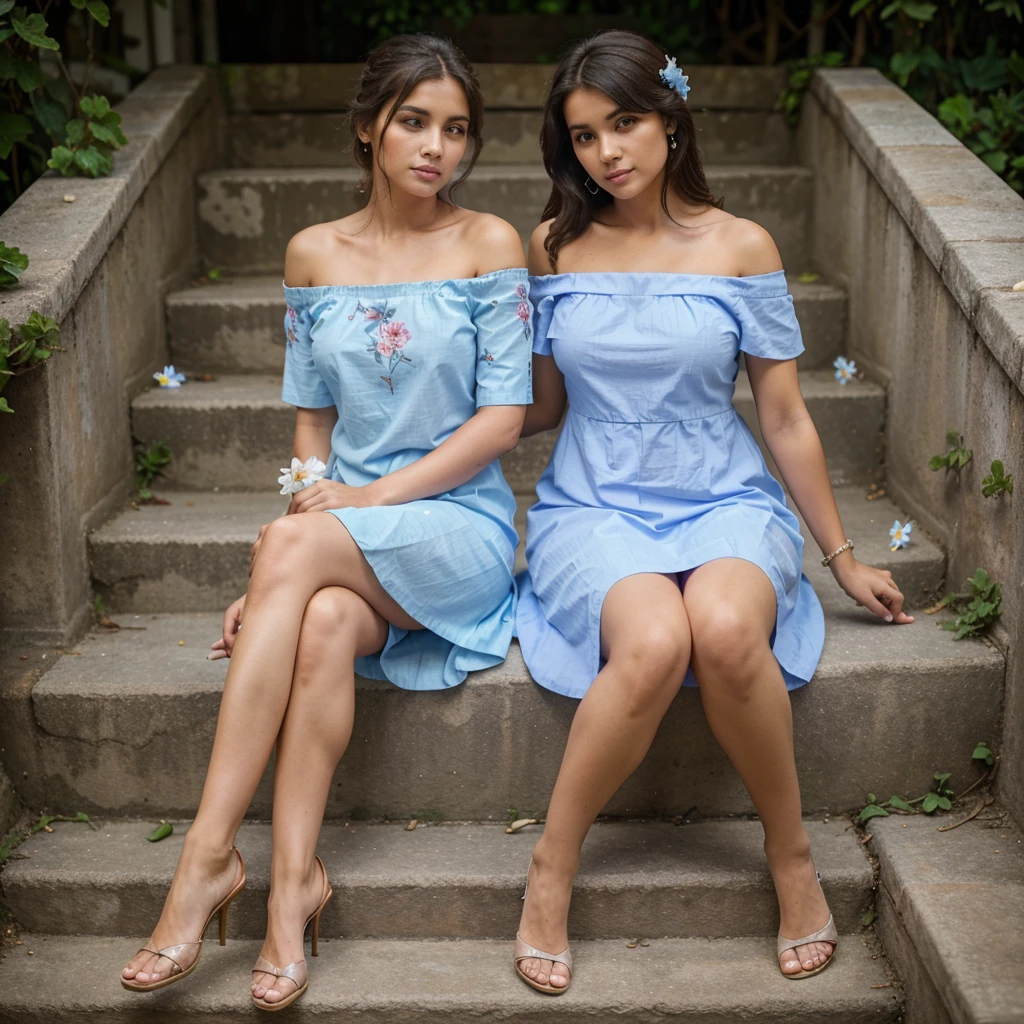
x: 928, y: 242
x: 100, y: 267
x: 10, y: 806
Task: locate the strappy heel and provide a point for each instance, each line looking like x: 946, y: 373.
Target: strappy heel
x: 524, y: 951
x: 295, y: 972
x: 173, y: 953
x: 827, y: 934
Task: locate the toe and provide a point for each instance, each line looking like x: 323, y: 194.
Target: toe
x: 789, y: 962
x: 559, y: 975
x: 544, y: 974
x: 529, y: 967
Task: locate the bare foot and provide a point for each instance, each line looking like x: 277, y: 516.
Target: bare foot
x: 291, y: 903
x: 544, y: 924
x: 203, y: 877
x: 802, y: 907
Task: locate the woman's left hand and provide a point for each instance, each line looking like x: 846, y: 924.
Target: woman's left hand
x: 328, y: 494
x: 873, y: 588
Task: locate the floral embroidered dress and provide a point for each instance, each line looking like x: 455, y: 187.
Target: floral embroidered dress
x: 654, y: 470
x: 406, y: 365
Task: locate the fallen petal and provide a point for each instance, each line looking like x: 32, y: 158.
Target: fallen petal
x: 521, y: 823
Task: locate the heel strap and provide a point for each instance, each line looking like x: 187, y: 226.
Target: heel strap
x: 826, y: 934
x: 524, y: 951
x: 292, y: 972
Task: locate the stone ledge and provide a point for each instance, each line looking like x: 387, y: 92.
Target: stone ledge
x: 968, y: 221
x: 67, y: 241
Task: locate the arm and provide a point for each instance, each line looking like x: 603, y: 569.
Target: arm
x: 791, y: 437
x: 549, y: 397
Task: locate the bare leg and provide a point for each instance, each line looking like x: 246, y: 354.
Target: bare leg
x: 646, y: 641
x: 300, y: 555
x: 338, y: 627
x: 731, y: 607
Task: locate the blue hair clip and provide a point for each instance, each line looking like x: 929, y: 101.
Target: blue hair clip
x: 672, y: 75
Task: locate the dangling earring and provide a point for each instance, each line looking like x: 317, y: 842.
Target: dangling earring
x: 672, y: 142
x: 587, y: 183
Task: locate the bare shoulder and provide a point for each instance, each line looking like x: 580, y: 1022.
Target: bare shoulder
x: 304, y: 251
x: 538, y: 260
x: 495, y: 243
x: 753, y: 248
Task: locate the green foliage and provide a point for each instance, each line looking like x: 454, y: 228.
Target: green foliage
x: 150, y: 462
x: 89, y: 143
x: 791, y: 98
x: 976, y: 609
x: 983, y: 754
x: 16, y: 838
x: 13, y: 263
x: 956, y: 455
x: 162, y: 831
x: 997, y: 482
x: 25, y: 347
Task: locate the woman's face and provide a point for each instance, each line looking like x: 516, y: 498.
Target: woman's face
x: 426, y: 138
x: 622, y: 151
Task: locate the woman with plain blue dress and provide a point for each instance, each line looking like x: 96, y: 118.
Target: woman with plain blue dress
x: 660, y: 548
x: 408, y: 359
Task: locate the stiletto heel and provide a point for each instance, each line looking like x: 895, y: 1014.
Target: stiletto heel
x: 524, y: 951
x: 296, y: 970
x: 173, y: 953
x: 827, y: 934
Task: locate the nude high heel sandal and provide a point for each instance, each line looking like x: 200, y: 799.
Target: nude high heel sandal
x: 524, y: 951
x: 173, y: 953
x: 295, y: 972
x: 826, y: 934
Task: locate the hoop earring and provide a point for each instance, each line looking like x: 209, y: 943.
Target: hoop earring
x: 587, y: 183
x: 672, y: 142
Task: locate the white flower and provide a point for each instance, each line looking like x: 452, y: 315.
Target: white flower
x: 170, y: 378
x: 301, y: 474
x: 900, y: 535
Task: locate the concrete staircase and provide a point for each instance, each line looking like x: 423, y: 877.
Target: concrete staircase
x: 123, y: 729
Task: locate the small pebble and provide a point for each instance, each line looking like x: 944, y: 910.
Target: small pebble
x: 181, y: 643
x: 69, y: 199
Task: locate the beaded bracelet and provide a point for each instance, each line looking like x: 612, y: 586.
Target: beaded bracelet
x: 848, y: 546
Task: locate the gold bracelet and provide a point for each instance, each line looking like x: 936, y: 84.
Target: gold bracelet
x: 848, y: 546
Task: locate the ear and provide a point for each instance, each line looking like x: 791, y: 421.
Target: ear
x: 362, y: 134
x: 670, y: 123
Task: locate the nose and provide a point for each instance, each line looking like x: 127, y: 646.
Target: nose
x: 610, y: 149
x: 433, y: 143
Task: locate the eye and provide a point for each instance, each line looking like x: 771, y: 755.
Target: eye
x: 584, y: 136
x: 626, y: 122
x: 412, y: 122
x: 456, y: 129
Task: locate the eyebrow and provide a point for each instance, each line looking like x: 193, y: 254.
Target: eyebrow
x: 613, y: 114
x: 426, y: 113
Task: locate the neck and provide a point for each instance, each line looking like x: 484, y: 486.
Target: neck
x: 643, y: 212
x: 399, y: 213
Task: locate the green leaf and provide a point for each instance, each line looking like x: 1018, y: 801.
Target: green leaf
x: 29, y: 74
x: 33, y: 30
x: 61, y: 159
x: 110, y: 136
x: 899, y: 803
x: 944, y: 803
x: 13, y: 128
x: 99, y: 11
x: 92, y: 162
x: 74, y: 131
x: 867, y: 919
x: 6, y: 5
x: 13, y: 263
x: 937, y: 462
x: 4, y: 407
x: 163, y: 830
x: 872, y: 811
x: 982, y: 752
x: 50, y: 114
x: 919, y: 12
x: 931, y: 802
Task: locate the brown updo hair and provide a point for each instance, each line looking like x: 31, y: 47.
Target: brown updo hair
x: 391, y: 72
x: 625, y: 67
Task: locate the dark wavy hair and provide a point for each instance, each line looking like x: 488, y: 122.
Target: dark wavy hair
x: 624, y: 66
x: 391, y: 72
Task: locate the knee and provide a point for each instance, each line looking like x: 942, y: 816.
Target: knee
x: 727, y: 650
x: 653, y: 661
x: 327, y: 625
x: 281, y: 547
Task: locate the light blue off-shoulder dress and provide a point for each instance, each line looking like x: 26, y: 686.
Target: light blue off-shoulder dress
x: 654, y: 470
x: 406, y: 365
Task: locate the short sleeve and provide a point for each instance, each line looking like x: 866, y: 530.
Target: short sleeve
x: 768, y: 326
x: 303, y: 385
x: 502, y: 314
x: 543, y: 310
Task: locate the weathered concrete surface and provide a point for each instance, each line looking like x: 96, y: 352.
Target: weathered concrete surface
x: 235, y: 433
x: 329, y: 87
x: 707, y: 879
x: 247, y: 216
x: 109, y: 726
x: 10, y: 806
x: 99, y: 266
x: 928, y: 242
x: 234, y: 326
x: 959, y: 897
x: 193, y: 555
x: 671, y: 981
x: 323, y: 139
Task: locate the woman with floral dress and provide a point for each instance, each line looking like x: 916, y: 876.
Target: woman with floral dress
x: 660, y: 547
x: 408, y: 359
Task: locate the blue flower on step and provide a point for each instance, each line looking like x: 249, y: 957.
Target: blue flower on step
x: 900, y: 535
x: 672, y: 75
x: 170, y: 378
x: 846, y: 370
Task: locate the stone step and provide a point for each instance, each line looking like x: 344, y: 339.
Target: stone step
x: 670, y: 981
x: 247, y: 216
x: 193, y: 555
x: 275, y: 88
x: 235, y: 326
x: 950, y: 906
x: 235, y: 433
x: 706, y: 879
x: 323, y: 139
x: 108, y: 725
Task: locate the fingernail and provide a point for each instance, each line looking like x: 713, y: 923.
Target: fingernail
x: 888, y: 618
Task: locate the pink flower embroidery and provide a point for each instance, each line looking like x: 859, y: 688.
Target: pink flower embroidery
x: 291, y: 325
x: 520, y: 291
x: 523, y: 310
x: 387, y: 339
x: 394, y: 335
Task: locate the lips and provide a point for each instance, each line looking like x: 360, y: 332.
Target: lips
x: 618, y: 177
x: 427, y: 172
